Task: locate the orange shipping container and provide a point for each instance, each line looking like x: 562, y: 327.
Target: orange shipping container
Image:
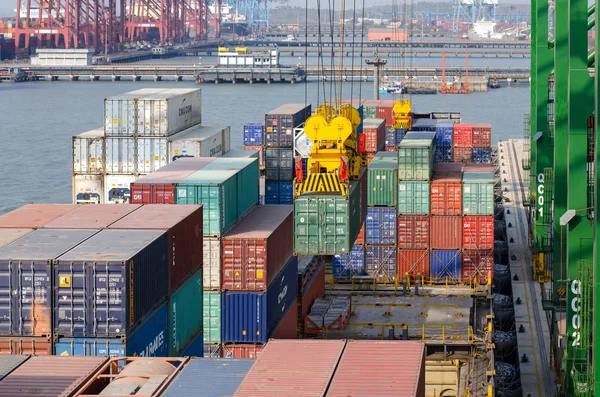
x: 413, y: 263
x: 241, y: 351
x: 478, y: 232
x: 413, y: 231
x: 446, y: 232
x: 446, y: 190
x: 360, y: 239
x: 477, y: 265
x: 38, y: 346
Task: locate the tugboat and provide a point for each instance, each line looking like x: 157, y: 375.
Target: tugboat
x: 494, y: 83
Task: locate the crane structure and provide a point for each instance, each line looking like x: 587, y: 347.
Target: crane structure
x: 256, y: 13
x: 565, y: 187
x: 467, y: 12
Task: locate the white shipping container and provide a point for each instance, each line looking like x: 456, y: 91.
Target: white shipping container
x: 261, y: 185
x: 200, y: 141
x: 211, y: 270
x: 120, y: 156
x: 88, y: 189
x: 119, y: 115
x: 117, y: 188
x: 170, y: 111
x: 88, y: 152
x: 151, y: 154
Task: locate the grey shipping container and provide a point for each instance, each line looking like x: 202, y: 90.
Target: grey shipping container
x: 280, y: 123
x: 10, y: 363
x: 279, y: 164
x: 105, y: 286
x: 26, y: 279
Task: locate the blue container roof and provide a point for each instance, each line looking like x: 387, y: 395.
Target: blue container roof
x: 44, y: 244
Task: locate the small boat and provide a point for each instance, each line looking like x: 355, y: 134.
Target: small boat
x: 494, y: 83
x: 396, y: 87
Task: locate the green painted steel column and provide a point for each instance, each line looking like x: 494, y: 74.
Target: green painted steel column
x: 596, y: 269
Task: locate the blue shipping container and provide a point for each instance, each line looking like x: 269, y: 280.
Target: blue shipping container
x: 482, y: 155
x: 380, y: 226
x: 107, y: 284
x: 253, y: 134
x: 277, y: 192
x: 195, y: 348
x: 444, y: 133
x: 390, y: 136
x: 380, y: 263
x: 400, y: 134
x: 424, y: 125
x: 209, y: 378
x: 347, y: 265
x: 442, y: 154
x: 445, y: 263
x: 148, y: 340
x: 279, y: 165
x: 251, y: 317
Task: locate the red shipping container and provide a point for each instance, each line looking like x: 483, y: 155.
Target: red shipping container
x: 387, y: 368
x: 482, y: 135
x: 257, y: 248
x: 92, y: 216
x: 391, y: 148
x: 462, y: 154
x: 413, y: 263
x: 463, y: 135
x: 478, y: 232
x: 385, y: 111
x: 374, y: 132
x: 446, y: 232
x: 446, y: 190
x: 360, y: 239
x: 477, y: 264
x: 38, y: 346
x: 413, y: 231
x: 241, y: 351
x: 159, y: 187
x: 183, y: 224
x: 32, y: 216
x: 288, y: 326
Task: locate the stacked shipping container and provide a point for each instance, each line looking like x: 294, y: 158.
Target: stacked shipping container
x: 374, y: 131
x: 482, y: 143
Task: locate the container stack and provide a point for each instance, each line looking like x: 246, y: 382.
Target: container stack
x: 259, y: 280
x: 88, y: 167
x: 374, y: 131
x: 462, y: 145
x: 278, y: 145
x: 370, y: 108
x: 444, y: 137
x: 482, y: 143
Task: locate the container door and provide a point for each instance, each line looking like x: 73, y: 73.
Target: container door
x: 212, y: 317
x: 211, y: 200
x: 70, y: 300
x: 32, y: 285
x: 7, y: 303
x: 334, y: 227
x: 107, y: 301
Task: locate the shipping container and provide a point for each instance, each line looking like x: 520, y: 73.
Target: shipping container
x: 200, y: 141
x: 117, y: 188
x: 195, y: 347
x: 380, y: 262
x: 444, y: 133
x: 413, y: 198
x: 279, y: 192
x: 311, y: 290
x: 151, y: 154
x: 374, y: 132
x: 88, y: 189
x: 390, y: 137
x: 168, y: 111
x: 413, y: 263
x: 400, y: 134
x: 288, y: 326
x: 261, y: 154
x: 92, y: 217
x: 443, y: 154
x: 387, y: 368
x: 129, y: 277
x: 159, y: 187
x: 360, y: 239
x: 478, y: 232
x: 254, y: 133
x: 446, y: 232
x: 7, y: 236
x: 10, y: 363
x: 370, y: 108
x: 482, y: 135
x: 53, y: 375
x: 88, y: 152
x: 478, y: 265
x: 482, y: 155
x: 34, y: 345
x: 462, y: 154
x: 183, y: 225
x: 478, y: 193
x: 345, y: 266
x: 385, y: 111
x: 279, y: 164
x: 391, y: 149
x: 329, y: 224
x: 241, y: 351
x: 209, y: 378
x: 280, y: 124
x: 26, y: 279
x: 251, y: 317
x: 463, y: 135
x: 413, y: 231
x: 185, y: 313
x: 425, y: 125
x: 150, y: 339
x: 380, y: 226
x: 257, y: 248
x: 211, y: 310
x: 446, y: 190
x: 308, y: 374
x: 446, y: 266
x: 120, y: 155
x: 120, y: 113
x: 382, y: 177
x: 415, y: 156
x: 32, y: 216
x: 212, y: 254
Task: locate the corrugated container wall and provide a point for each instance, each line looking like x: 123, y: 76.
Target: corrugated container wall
x: 478, y: 264
x: 478, y: 193
x: 413, y: 263
x: 462, y: 154
x: 374, y: 132
x: 463, y: 135
x: 347, y: 265
x: 380, y: 262
x: 241, y: 351
x: 183, y: 224
x: 446, y: 265
x: 119, y: 114
x: 168, y: 111
x: 253, y: 134
x: 211, y: 310
x: 415, y: 156
x: 34, y: 345
x: 32, y: 216
x: 212, y: 254
x: 27, y: 308
x: 444, y: 133
x: 200, y: 141
x: 443, y: 154
x: 413, y: 198
x: 380, y: 226
x: 446, y: 232
x: 185, y: 313
x: 120, y: 155
x: 425, y: 125
x: 129, y: 266
x: 382, y: 178
x: 88, y: 152
x: 279, y: 164
x: 482, y: 135
x: 256, y: 249
x: 280, y: 123
x: 279, y: 192
x: 482, y: 155
x: 251, y: 317
x: 385, y: 111
x: 478, y: 232
x: 446, y: 190
x: 413, y: 231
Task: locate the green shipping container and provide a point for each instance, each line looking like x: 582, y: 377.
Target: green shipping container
x: 212, y: 317
x: 478, y: 193
x: 185, y: 313
x: 382, y: 178
x: 415, y: 159
x: 413, y: 198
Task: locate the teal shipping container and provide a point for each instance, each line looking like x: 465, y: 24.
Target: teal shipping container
x: 212, y: 317
x: 413, y: 198
x: 478, y: 193
x: 185, y: 313
x: 382, y: 178
x: 415, y: 156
